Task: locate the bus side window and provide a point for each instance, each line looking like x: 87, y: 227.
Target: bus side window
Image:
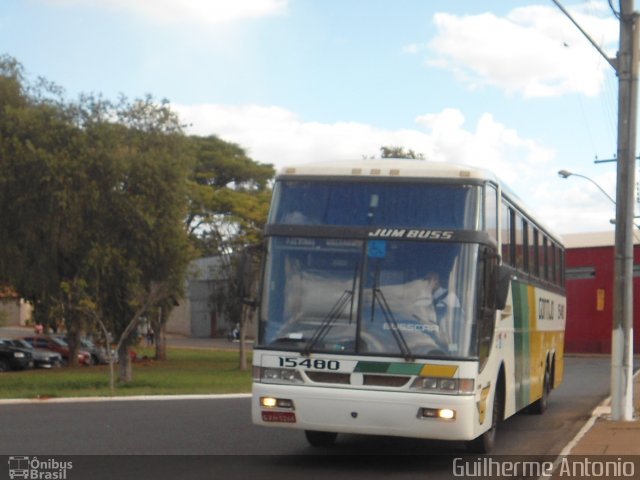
x: 552, y: 263
x: 507, y: 243
x: 519, y: 245
x: 548, y: 260
x: 526, y: 241
x: 534, y: 249
x: 491, y: 211
x: 544, y: 259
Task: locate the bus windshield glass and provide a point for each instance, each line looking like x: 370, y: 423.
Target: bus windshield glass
x: 400, y: 204
x: 376, y: 297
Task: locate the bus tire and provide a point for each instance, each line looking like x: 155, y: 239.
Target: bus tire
x: 540, y: 406
x: 485, y: 442
x: 320, y: 439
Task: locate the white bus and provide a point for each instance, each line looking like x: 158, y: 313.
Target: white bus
x: 405, y: 298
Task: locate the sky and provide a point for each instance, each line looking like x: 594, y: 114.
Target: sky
x: 511, y: 86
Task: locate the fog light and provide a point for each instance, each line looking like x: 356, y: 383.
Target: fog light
x: 268, y: 402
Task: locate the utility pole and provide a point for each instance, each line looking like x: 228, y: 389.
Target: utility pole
x: 622, y: 329
x: 626, y: 66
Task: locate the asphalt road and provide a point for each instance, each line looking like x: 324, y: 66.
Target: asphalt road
x: 210, y: 437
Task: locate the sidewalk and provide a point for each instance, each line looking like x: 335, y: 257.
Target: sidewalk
x: 603, y: 436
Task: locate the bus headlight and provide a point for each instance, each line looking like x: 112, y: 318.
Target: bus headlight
x: 279, y: 375
x: 454, y: 386
x: 272, y: 402
x: 439, y: 413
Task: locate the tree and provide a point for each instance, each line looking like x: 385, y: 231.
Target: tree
x: 228, y: 195
x: 138, y: 264
x: 399, y: 152
x: 104, y: 203
x: 93, y: 195
x: 229, y: 202
x: 42, y: 194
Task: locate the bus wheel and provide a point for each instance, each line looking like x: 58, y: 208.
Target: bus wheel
x: 485, y: 442
x: 540, y: 406
x: 320, y: 439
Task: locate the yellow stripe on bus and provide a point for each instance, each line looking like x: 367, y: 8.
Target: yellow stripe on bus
x: 430, y: 370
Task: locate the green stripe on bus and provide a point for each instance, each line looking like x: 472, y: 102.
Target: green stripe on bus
x: 405, y: 368
x: 521, y: 316
x: 372, y: 367
x: 389, y: 368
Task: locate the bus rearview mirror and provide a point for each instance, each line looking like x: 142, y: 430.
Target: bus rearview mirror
x: 502, y: 291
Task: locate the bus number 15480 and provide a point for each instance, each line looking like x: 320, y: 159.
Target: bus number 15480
x: 316, y: 363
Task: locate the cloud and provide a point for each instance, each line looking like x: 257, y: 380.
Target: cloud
x: 534, y: 51
x: 208, y: 12
x: 278, y: 136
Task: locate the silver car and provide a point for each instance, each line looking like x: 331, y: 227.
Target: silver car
x: 42, y: 358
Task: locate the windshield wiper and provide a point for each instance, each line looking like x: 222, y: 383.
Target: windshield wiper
x: 334, y: 313
x: 388, y: 316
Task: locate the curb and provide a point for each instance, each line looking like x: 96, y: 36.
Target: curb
x: 133, y: 398
x: 604, y: 408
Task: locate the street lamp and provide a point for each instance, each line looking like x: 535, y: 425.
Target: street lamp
x: 566, y: 174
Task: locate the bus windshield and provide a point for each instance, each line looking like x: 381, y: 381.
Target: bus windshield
x: 377, y: 297
x: 399, y: 204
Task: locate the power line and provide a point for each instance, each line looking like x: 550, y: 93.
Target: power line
x: 616, y: 14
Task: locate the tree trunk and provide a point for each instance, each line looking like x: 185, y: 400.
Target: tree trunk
x: 158, y: 326
x: 161, y: 343
x: 73, y: 341
x: 125, y: 373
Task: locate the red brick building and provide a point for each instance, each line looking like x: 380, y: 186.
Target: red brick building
x: 589, y: 282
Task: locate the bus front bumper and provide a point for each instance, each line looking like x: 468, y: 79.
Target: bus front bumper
x: 370, y: 412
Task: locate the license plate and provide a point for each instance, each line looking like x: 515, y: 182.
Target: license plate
x: 284, y: 417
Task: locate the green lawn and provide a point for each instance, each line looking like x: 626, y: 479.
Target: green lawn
x: 187, y: 371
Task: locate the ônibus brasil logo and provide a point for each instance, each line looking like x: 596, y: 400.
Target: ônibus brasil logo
x: 38, y: 469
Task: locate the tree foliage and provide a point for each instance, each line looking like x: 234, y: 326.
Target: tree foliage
x: 229, y: 202
x: 104, y: 203
x: 229, y: 196
x: 399, y: 152
x: 93, y: 195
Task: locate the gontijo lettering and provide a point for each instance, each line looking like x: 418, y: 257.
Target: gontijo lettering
x: 546, y: 309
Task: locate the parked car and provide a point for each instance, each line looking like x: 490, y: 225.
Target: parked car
x: 42, y: 358
x: 56, y: 344
x: 14, y: 358
x: 98, y: 354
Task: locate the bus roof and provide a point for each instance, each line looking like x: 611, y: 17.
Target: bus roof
x: 393, y: 167
x: 409, y: 168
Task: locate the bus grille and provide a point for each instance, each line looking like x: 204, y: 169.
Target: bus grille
x: 329, y: 377
x: 368, y: 380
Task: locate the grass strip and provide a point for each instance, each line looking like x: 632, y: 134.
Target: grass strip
x: 187, y: 371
